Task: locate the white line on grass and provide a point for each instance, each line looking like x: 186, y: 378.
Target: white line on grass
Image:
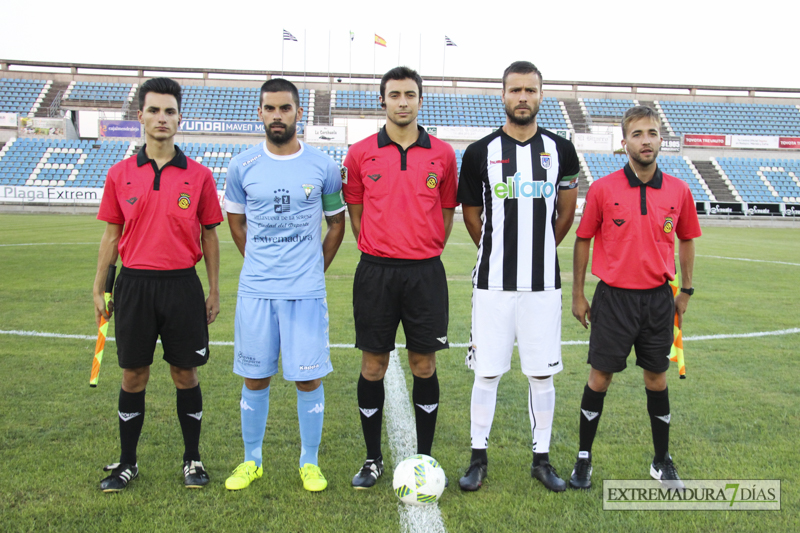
x: 749, y: 260
x: 790, y: 331
x: 402, y: 432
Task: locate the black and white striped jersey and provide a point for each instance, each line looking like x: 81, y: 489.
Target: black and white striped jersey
x: 517, y: 184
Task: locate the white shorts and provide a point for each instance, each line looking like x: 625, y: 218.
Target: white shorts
x: 532, y: 318
x: 295, y: 330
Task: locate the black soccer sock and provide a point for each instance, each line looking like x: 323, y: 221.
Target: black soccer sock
x: 190, y: 415
x: 479, y: 454
x: 131, y: 419
x: 370, y: 403
x: 539, y: 457
x: 426, y: 406
x: 591, y: 409
x: 658, y: 408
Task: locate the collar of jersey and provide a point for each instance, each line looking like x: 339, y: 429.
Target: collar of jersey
x: 423, y: 140
x: 284, y: 157
x: 179, y: 160
x: 634, y: 181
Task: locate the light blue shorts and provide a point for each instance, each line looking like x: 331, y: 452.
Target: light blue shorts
x: 295, y: 330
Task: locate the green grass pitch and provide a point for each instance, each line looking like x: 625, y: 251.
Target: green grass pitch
x: 735, y: 417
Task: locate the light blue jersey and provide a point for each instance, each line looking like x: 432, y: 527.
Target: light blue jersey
x: 282, y: 198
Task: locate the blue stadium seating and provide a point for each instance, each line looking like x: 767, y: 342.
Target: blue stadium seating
x: 446, y: 109
x: 20, y: 95
x: 606, y: 107
x: 600, y: 165
x: 100, y: 91
x: 228, y: 103
x: 762, y: 180
x: 731, y: 119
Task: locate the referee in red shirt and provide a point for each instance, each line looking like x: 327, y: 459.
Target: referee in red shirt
x: 634, y: 215
x: 160, y: 208
x: 400, y: 187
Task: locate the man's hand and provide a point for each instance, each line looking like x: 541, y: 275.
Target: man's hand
x: 212, y: 308
x: 681, y: 303
x: 582, y: 310
x: 100, y: 308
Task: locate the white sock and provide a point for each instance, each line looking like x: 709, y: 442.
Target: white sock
x: 484, y: 400
x: 541, y: 405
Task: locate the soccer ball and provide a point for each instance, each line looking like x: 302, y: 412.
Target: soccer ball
x: 418, y: 480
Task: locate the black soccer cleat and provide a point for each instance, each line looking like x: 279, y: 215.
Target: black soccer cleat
x: 667, y: 474
x: 473, y: 478
x: 121, y: 475
x: 369, y: 473
x: 194, y: 475
x: 546, y: 473
x: 581, y: 477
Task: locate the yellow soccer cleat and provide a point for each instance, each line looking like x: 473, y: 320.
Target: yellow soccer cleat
x: 312, y: 477
x: 244, y: 474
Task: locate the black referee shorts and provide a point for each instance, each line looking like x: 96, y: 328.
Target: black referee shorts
x: 169, y: 303
x: 626, y: 318
x: 388, y: 291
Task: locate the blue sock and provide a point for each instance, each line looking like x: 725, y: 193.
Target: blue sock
x: 310, y: 413
x: 255, y: 408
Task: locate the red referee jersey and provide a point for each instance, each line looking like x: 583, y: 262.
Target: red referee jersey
x: 162, y: 210
x: 403, y: 193
x: 634, y: 227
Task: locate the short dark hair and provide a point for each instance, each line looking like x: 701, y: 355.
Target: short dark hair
x: 160, y: 86
x: 637, y: 112
x: 401, y: 73
x: 279, y: 85
x: 521, y: 67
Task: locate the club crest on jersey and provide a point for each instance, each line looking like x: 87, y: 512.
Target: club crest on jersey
x: 308, y: 189
x: 668, y: 225
x: 432, y: 180
x: 343, y: 172
x: 184, y: 201
x: 546, y: 160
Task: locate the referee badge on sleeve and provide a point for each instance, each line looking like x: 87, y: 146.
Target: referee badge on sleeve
x: 343, y: 172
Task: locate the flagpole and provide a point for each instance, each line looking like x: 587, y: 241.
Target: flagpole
x: 330, y: 78
x: 304, y: 59
x: 350, y: 65
x: 444, y: 57
x: 420, y: 54
x: 399, y: 37
x: 373, y: 62
x: 283, y: 43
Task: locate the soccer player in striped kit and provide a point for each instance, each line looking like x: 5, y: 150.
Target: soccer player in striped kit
x: 518, y: 187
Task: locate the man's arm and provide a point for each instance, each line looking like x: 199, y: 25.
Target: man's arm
x: 210, y: 243
x: 472, y: 219
x: 106, y: 256
x: 447, y: 215
x: 355, y: 210
x: 333, y: 237
x: 565, y: 212
x: 686, y: 259
x: 580, y: 259
x: 238, y: 225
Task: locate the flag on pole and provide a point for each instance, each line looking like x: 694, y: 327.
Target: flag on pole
x: 352, y: 35
x: 380, y: 41
x: 288, y: 36
x: 676, y: 350
x: 448, y: 41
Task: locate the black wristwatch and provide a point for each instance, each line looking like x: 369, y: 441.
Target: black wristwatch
x: 687, y: 291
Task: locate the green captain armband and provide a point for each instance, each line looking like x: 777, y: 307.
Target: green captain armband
x: 331, y: 203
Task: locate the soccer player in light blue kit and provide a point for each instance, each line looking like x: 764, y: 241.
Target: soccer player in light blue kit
x: 275, y: 197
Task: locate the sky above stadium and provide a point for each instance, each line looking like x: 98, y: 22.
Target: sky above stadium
x: 680, y: 41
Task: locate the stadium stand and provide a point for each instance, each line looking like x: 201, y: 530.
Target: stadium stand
x: 99, y: 91
x: 730, y: 119
x: 605, y: 107
x: 63, y: 163
x: 22, y: 96
x: 598, y: 165
x: 761, y: 180
x: 446, y: 109
x: 231, y: 103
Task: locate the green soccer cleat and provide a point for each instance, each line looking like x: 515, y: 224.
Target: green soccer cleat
x: 244, y: 474
x: 312, y: 477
